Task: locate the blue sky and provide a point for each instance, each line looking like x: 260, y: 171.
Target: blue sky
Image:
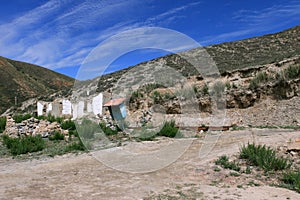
x: 59, y: 34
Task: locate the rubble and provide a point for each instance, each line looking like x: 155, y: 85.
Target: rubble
x: 32, y: 126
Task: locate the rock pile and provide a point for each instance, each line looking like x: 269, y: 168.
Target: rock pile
x: 146, y: 117
x: 32, y: 127
x: 108, y: 121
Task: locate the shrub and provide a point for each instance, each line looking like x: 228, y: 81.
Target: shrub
x: 168, y: 96
x: 77, y: 146
x: 68, y: 125
x: 292, y: 72
x: 264, y: 157
x: 56, y: 136
x: 107, y: 130
x: 73, y: 132
x: 151, y: 86
x: 88, y: 128
x: 205, y: 90
x: 228, y: 85
x: 2, y: 124
x: 145, y: 134
x: 169, y: 130
x: 226, y: 164
x: 19, y: 118
x: 157, y: 97
x: 261, y: 77
x: 187, y: 92
x: 24, y: 145
x: 292, y: 180
x: 218, y: 88
x: 52, y: 118
x: 136, y: 95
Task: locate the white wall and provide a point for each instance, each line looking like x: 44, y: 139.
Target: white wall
x: 67, y: 107
x: 49, y: 108
x: 97, y: 104
x: 40, y: 107
x: 80, y: 109
x: 75, y: 110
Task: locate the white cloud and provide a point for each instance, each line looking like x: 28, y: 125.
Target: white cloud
x: 61, y: 33
x: 258, y: 21
x: 170, y: 14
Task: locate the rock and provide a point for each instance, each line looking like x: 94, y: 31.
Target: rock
x: 294, y: 147
x: 293, y: 153
x: 33, y: 127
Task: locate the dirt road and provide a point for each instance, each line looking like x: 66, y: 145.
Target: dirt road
x: 191, y: 176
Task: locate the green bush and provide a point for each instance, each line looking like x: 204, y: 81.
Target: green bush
x: 151, y: 86
x: 77, y: 146
x: 52, y: 118
x: 73, y: 132
x: 261, y: 77
x: 19, y: 118
x: 264, y: 157
x: 187, y: 92
x: 226, y: 164
x: 56, y: 136
x: 145, y: 134
x: 205, y: 90
x: 169, y: 130
x: 228, y: 85
x: 292, y: 72
x: 24, y: 145
x: 68, y: 125
x: 157, y: 97
x: 88, y: 128
x: 218, y: 88
x: 107, y: 130
x: 2, y: 124
x: 292, y: 180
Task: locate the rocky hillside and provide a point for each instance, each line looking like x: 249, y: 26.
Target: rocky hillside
x: 229, y: 56
x: 24, y: 81
x: 254, y: 72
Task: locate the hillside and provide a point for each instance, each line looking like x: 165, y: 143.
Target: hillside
x: 229, y: 56
x: 23, y: 81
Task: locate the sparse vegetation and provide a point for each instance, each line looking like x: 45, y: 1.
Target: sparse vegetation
x: 68, y: 125
x: 157, y: 97
x: 88, y: 128
x: 218, y: 89
x: 56, y: 136
x: 2, y: 124
x: 77, y: 146
x: 146, y: 135
x: 169, y: 130
x: 226, y: 164
x: 237, y: 128
x: 205, y: 90
x: 291, y: 180
x: 228, y: 85
x: 19, y: 117
x: 264, y: 157
x: 107, y: 130
x: 292, y: 72
x: 23, y: 145
x: 52, y: 118
x: 260, y: 78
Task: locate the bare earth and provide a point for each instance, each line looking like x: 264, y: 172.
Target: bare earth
x: 84, y: 177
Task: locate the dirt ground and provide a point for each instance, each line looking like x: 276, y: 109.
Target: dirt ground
x: 191, y: 176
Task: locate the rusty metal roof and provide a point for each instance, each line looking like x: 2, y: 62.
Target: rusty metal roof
x: 114, y: 102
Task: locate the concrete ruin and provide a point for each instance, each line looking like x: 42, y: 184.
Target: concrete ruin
x: 66, y: 108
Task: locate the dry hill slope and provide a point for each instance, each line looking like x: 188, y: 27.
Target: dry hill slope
x: 24, y: 81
